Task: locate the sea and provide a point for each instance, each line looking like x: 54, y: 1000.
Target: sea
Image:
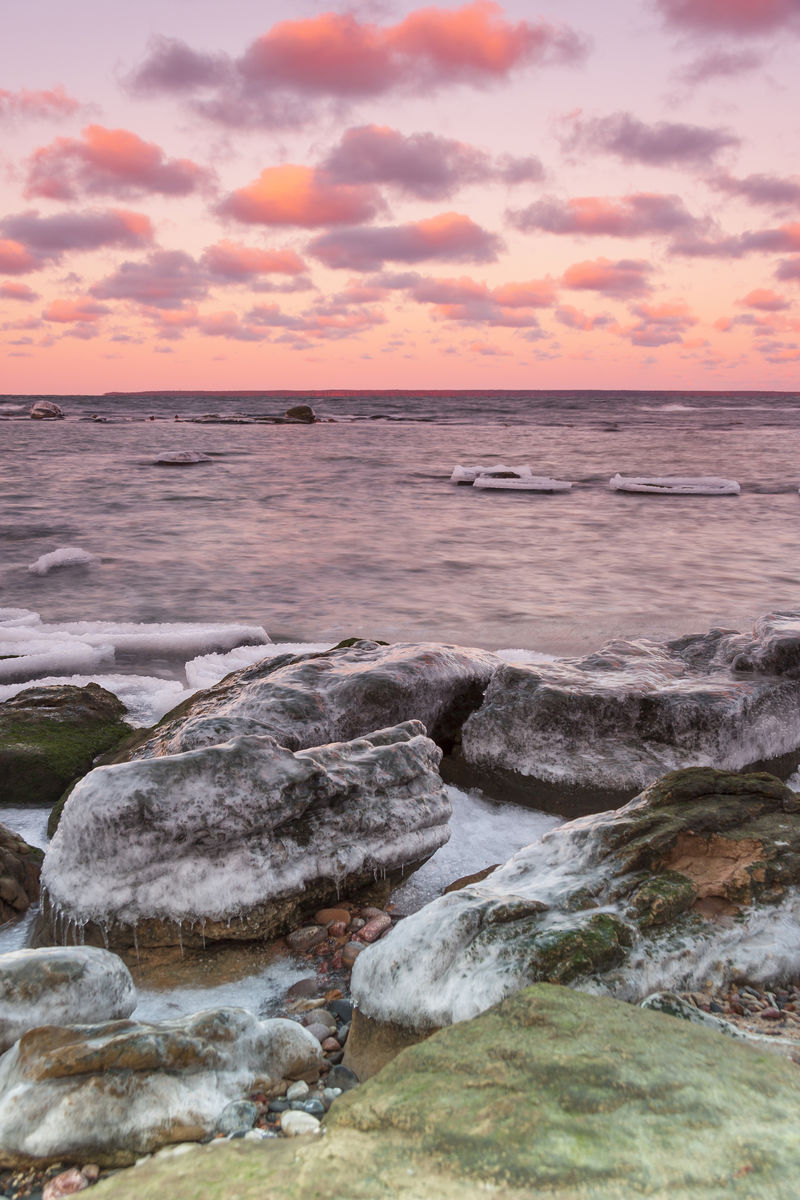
x: 350, y: 526
x: 158, y: 579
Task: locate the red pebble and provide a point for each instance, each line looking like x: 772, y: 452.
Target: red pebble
x: 373, y: 929
x: 66, y: 1184
x: 771, y: 1014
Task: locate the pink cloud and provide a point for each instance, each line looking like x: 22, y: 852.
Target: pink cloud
x: 623, y: 216
x: 450, y: 236
x: 51, y: 237
x: 664, y: 144
x: 16, y: 259
x: 11, y: 290
x: 168, y: 279
x: 66, y: 311
x: 420, y: 164
x: 738, y: 17
x: 765, y: 299
x: 337, y: 55
x: 467, y: 301
x: 719, y: 63
x: 331, y: 322
x: 111, y: 162
x: 52, y: 103
x: 488, y: 350
x: 627, y: 277
x: 770, y: 190
x: 789, y: 269
x: 659, y: 324
x: 574, y: 318
x: 295, y: 195
x: 233, y: 261
x: 767, y: 241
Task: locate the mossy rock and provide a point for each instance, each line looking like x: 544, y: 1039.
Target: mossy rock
x: 552, y: 1093
x: 661, y: 898
x: 49, y: 736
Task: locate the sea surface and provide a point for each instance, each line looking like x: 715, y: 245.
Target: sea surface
x: 350, y: 526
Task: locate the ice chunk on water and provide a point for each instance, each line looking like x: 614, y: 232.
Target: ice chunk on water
x: 208, y: 669
x: 675, y: 485
x: 65, y: 556
x: 523, y: 483
x: 179, y: 639
x: 181, y: 458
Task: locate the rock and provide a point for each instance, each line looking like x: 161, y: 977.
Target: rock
x: 310, y: 700
x: 61, y: 986
x: 350, y: 953
x: 343, y: 1078
x: 320, y: 1032
x: 675, y: 1006
x: 67, y: 1183
x: 237, y: 1117
x: 332, y: 916
x: 552, y: 1093
x: 297, y: 1091
x: 629, y: 900
x: 46, y: 410
x: 298, y: 1124
x: 20, y: 865
x: 51, y: 735
x: 301, y: 412
x: 116, y: 1091
x: 374, y: 928
x: 232, y: 841
x: 304, y: 939
x: 590, y: 732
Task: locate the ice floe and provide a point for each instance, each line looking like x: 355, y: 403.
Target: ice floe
x: 180, y: 458
x: 65, y: 556
x: 523, y: 483
x: 675, y: 485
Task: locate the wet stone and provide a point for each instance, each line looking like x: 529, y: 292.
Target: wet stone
x: 343, y: 1009
x: 320, y: 1032
x: 329, y: 916
x: 279, y: 1106
x: 350, y: 953
x: 303, y: 988
x: 342, y: 1078
x: 237, y: 1117
x: 298, y: 1090
x: 305, y: 939
x: 299, y: 1124
x: 315, y: 1107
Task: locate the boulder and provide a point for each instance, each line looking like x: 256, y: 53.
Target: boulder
x: 551, y: 1094
x: 232, y: 841
x: 20, y: 865
x: 695, y: 877
x: 301, y: 412
x: 309, y: 700
x: 61, y: 986
x: 108, y: 1093
x: 51, y: 735
x: 590, y: 732
x: 46, y: 410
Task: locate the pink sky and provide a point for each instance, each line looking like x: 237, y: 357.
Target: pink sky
x: 492, y: 195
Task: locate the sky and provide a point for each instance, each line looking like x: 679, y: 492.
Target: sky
x: 197, y: 195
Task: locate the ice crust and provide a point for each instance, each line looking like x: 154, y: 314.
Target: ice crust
x: 619, y: 718
x: 208, y: 669
x: 145, y: 697
x: 213, y: 833
x: 675, y: 485
x: 526, y: 483
x: 181, y: 458
x: 66, y: 556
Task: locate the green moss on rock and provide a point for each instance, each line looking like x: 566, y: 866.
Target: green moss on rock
x: 661, y: 898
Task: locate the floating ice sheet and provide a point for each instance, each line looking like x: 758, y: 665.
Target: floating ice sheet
x: 675, y: 485
x: 523, y: 483
x: 65, y: 556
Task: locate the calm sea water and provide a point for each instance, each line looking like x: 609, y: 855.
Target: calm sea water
x: 351, y: 526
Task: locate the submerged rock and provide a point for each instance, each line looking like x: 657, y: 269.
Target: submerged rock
x: 552, y: 1093
x: 108, y: 1093
x: 334, y: 696
x: 628, y: 901
x: 301, y: 412
x: 231, y: 841
x: 20, y: 865
x: 589, y: 732
x: 44, y: 410
x: 61, y: 986
x: 51, y: 735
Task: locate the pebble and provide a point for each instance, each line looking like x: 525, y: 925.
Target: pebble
x: 297, y: 1124
x: 320, y: 1016
x: 342, y: 1078
x: 331, y: 1045
x: 350, y: 953
x: 320, y: 1032
x: 343, y: 1009
x: 66, y: 1184
x: 329, y: 1094
x: 303, y: 988
x: 374, y: 928
x: 237, y: 1117
x: 306, y: 938
x: 279, y: 1106
x: 298, y: 1090
x: 313, y: 1106
x: 329, y: 916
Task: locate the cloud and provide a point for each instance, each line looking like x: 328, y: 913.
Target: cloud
x: 34, y: 240
x: 295, y: 195
x: 623, y: 216
x: 765, y: 241
x: 338, y: 56
x: 167, y: 279
x: 659, y: 324
x: 664, y: 144
x: 450, y: 236
x: 470, y: 302
x: 718, y: 63
x: 740, y: 18
x: 421, y: 164
x: 238, y: 264
x: 766, y: 300
x: 67, y: 311
x: 110, y: 162
x: 574, y: 318
x: 789, y: 269
x: 11, y: 290
x: 324, y: 322
x: 625, y: 278
x: 52, y: 104
x: 773, y: 191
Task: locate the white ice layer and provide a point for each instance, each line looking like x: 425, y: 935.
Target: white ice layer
x: 677, y: 485
x: 181, y: 458
x: 208, y: 669
x: 215, y: 832
x: 470, y: 474
x: 145, y: 697
x: 532, y: 483
x: 66, y: 556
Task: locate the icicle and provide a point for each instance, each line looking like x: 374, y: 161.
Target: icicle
x: 136, y: 944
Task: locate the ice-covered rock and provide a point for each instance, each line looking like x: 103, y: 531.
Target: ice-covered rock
x: 44, y: 410
x: 108, y: 1093
x: 229, y: 841
x: 499, y: 470
x: 180, y: 458
x: 59, y: 985
x: 51, y: 735
x: 20, y: 865
x: 590, y: 732
x: 334, y: 696
x: 675, y: 485
x: 65, y: 556
x: 629, y: 901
